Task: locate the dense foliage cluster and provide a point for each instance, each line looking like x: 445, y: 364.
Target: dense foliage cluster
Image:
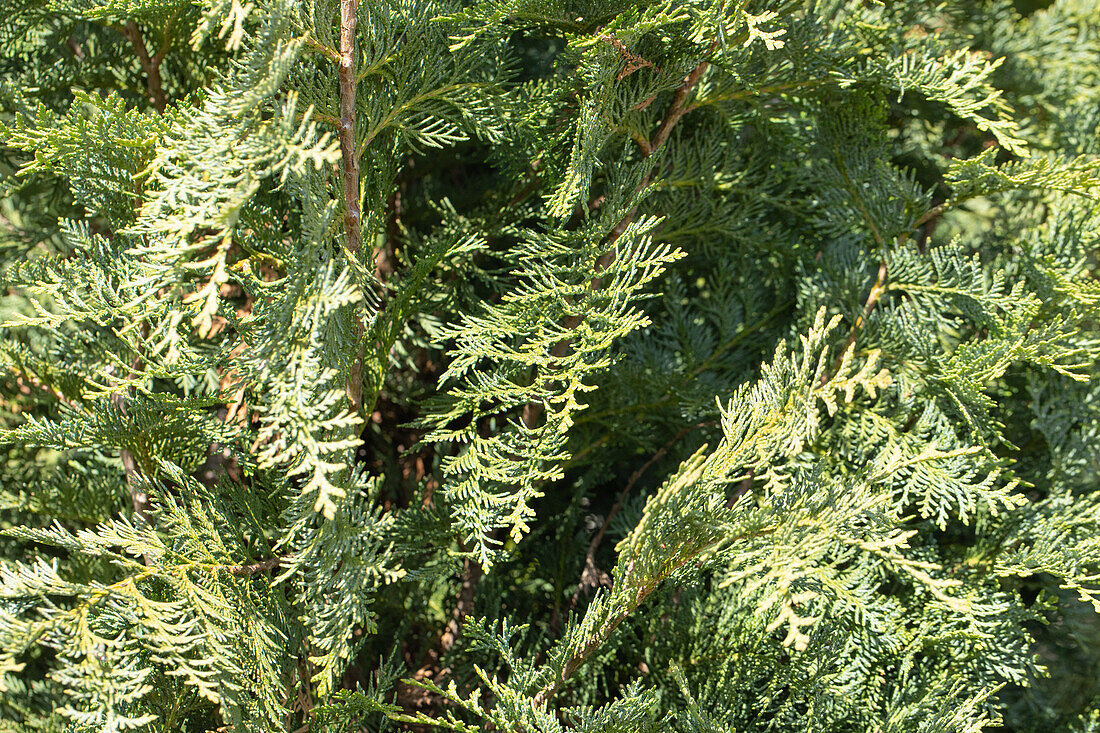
x: 546, y: 365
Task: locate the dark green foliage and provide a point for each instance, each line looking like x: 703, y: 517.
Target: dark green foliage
x: 706, y: 365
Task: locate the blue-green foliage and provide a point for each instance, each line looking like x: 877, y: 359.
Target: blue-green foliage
x: 707, y: 365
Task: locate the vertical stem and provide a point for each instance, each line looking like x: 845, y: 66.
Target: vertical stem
x: 348, y: 20
x: 350, y: 155
x: 149, y: 65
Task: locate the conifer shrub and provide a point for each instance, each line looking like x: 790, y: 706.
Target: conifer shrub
x: 549, y: 365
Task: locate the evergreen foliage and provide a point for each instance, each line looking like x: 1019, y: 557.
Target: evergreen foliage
x: 546, y: 365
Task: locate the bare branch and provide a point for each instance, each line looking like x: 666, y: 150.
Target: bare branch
x: 350, y: 155
x: 679, y: 105
x: 348, y: 19
x: 149, y: 65
x: 256, y: 567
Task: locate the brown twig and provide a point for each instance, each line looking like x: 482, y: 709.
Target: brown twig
x: 634, y: 62
x: 150, y: 65
x: 878, y: 289
x: 933, y: 213
x: 24, y: 380
x: 346, y: 74
x: 256, y: 567
x: 678, y: 107
x: 350, y: 157
x: 591, y: 575
x: 78, y: 51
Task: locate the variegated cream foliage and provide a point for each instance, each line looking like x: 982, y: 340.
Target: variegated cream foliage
x: 546, y: 365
